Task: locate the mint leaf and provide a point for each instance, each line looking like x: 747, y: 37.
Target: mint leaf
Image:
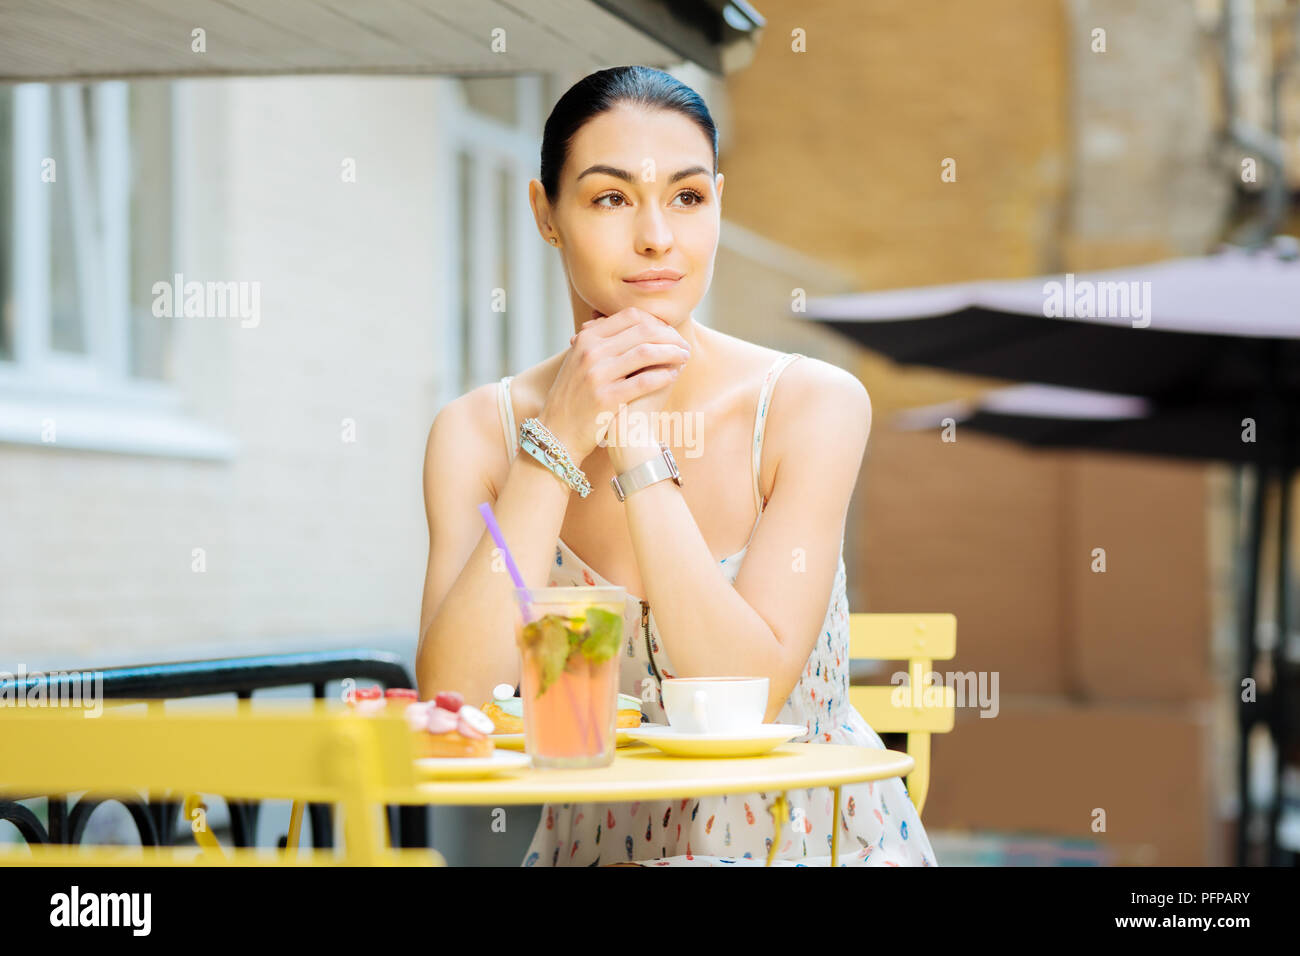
x: 604, y: 632
x: 554, y: 638
x: 577, y: 631
x: 551, y: 647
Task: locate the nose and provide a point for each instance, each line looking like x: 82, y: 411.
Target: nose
x: 653, y: 233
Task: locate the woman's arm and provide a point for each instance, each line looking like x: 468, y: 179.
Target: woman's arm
x: 769, y: 623
x: 467, y: 613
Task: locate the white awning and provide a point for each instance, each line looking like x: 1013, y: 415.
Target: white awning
x: 96, y: 39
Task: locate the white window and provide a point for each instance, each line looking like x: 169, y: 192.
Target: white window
x: 502, y: 298
x: 86, y: 229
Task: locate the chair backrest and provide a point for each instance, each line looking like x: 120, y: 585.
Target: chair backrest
x: 916, y: 707
x: 276, y: 750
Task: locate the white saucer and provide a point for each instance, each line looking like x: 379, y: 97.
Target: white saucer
x: 454, y: 768
x: 749, y: 743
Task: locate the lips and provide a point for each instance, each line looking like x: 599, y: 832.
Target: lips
x: 653, y: 279
x: 654, y: 274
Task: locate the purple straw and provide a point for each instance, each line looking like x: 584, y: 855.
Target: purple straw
x: 494, y: 529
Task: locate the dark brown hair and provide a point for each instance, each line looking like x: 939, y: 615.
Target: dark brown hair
x: 603, y: 90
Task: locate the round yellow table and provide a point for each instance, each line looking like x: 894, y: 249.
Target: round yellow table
x: 641, y: 772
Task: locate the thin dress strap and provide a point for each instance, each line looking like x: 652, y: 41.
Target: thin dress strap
x: 507, y: 413
x: 760, y: 421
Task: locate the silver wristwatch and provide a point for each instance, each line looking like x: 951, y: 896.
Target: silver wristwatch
x: 646, y: 474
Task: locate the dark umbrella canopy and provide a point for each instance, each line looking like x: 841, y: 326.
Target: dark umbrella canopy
x: 1245, y: 432
x: 1227, y: 325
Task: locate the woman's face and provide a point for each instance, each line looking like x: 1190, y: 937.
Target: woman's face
x: 637, y: 193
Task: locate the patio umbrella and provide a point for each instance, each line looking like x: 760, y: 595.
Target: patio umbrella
x: 1227, y: 324
x: 1049, y: 416
x: 1206, y: 342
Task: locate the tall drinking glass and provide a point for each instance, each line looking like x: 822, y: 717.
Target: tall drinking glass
x: 569, y: 657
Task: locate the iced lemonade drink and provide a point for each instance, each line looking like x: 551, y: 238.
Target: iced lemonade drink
x: 569, y: 658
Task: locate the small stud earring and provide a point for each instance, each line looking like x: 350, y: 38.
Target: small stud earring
x: 554, y: 241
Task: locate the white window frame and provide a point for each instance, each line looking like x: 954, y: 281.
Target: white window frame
x: 92, y: 400
x: 532, y: 319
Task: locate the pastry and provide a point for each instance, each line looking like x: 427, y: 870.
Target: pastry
x: 397, y: 698
x: 366, y: 700
x: 629, y: 711
x: 443, y: 727
x: 507, y: 713
x: 448, y: 727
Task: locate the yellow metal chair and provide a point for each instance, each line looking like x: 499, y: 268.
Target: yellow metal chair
x: 917, y: 709
x: 302, y: 752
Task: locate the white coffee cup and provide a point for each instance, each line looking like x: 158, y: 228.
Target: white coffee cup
x: 715, y: 705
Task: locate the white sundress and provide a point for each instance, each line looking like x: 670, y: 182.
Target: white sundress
x: 879, y: 825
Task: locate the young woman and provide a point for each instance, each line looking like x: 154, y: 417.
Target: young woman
x: 739, y: 569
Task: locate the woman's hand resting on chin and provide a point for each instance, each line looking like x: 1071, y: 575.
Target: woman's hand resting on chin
x: 628, y: 358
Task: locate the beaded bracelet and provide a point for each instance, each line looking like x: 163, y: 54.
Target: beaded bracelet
x: 536, y: 439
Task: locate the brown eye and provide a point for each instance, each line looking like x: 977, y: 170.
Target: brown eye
x: 598, y: 200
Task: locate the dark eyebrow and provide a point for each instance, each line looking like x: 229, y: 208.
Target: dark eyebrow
x: 624, y: 175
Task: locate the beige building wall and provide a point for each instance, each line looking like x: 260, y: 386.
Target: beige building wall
x: 1063, y: 161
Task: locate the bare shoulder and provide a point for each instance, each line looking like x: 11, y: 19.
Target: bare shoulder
x: 468, y: 430
x: 817, y: 404
x: 813, y: 383
x: 460, y: 447
x: 465, y: 419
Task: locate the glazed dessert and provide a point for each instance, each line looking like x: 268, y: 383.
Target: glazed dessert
x: 507, y: 711
x: 367, y: 700
x: 629, y: 711
x: 399, y: 697
x: 376, y: 700
x: 448, y: 727
x: 443, y: 727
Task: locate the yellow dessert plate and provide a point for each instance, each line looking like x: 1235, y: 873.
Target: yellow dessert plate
x: 622, y: 738
x: 751, y: 743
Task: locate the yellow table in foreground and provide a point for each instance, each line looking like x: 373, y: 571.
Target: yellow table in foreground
x: 642, y: 772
